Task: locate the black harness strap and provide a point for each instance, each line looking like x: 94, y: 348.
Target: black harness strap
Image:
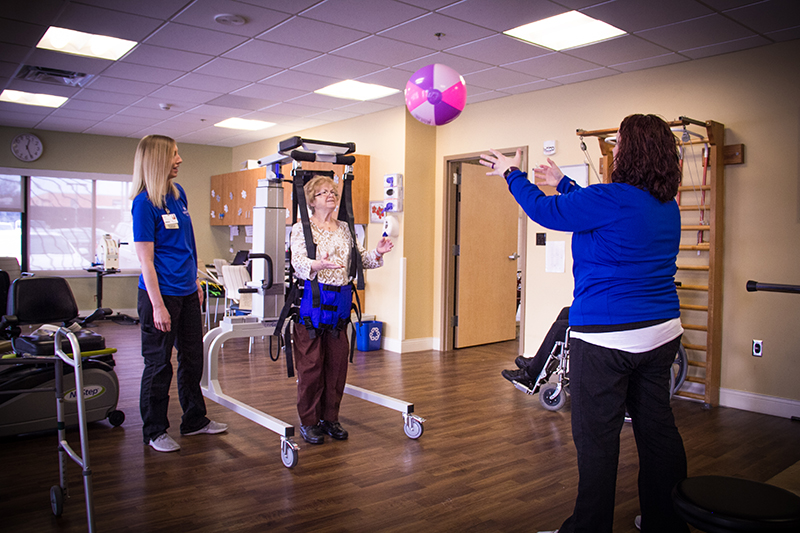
x: 346, y: 215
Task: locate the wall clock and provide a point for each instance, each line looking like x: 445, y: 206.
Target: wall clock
x: 26, y: 147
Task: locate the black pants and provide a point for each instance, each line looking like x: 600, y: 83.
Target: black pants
x: 602, y: 383
x: 186, y: 334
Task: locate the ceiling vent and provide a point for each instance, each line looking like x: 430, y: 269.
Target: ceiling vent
x: 54, y: 76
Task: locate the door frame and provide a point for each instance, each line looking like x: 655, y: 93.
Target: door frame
x: 449, y: 227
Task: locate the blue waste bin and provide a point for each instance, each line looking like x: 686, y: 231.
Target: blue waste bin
x: 368, y: 335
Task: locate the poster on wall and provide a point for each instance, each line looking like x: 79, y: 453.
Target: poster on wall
x: 376, y: 213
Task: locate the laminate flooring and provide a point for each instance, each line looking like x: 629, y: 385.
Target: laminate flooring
x: 490, y: 459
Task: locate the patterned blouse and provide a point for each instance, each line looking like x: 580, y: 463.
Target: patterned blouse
x: 337, y: 244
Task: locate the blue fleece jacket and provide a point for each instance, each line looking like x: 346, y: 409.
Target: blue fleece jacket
x: 624, y: 247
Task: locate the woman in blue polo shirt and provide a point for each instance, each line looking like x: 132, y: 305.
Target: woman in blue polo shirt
x: 625, y: 316
x: 169, y: 300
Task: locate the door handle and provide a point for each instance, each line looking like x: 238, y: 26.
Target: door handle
x: 514, y: 256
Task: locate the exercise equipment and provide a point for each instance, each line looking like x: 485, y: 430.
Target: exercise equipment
x: 38, y: 300
x: 269, y: 292
x: 436, y: 94
x: 90, y: 395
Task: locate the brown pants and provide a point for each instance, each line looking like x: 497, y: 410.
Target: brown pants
x: 321, y: 365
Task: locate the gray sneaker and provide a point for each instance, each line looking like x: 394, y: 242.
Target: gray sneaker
x: 164, y: 443
x: 212, y: 428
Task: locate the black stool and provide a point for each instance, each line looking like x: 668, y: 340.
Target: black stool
x: 718, y: 504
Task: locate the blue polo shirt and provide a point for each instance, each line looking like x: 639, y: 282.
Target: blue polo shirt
x: 624, y: 247
x: 174, y: 250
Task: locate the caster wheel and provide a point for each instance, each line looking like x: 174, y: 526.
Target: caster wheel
x: 413, y: 428
x: 289, y: 456
x: 550, y: 402
x: 56, y: 500
x: 116, y: 418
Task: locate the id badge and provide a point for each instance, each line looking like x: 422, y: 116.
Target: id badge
x: 170, y: 221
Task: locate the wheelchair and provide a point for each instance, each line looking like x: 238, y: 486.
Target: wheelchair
x: 553, y: 395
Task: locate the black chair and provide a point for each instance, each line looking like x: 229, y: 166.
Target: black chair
x: 721, y: 504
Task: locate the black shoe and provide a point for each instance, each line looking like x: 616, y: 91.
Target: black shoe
x: 521, y: 362
x: 334, y: 429
x: 520, y: 376
x: 312, y: 434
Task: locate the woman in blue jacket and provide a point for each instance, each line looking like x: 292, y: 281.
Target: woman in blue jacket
x: 169, y: 295
x: 624, y: 318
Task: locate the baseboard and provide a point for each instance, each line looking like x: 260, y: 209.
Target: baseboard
x: 409, y: 345
x: 759, y: 403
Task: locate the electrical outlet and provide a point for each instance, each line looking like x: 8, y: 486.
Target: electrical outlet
x: 758, y: 348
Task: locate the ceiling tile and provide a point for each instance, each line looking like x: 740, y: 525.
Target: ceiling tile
x: 497, y: 50
x: 132, y: 71
x: 133, y: 120
x: 94, y: 107
x: 182, y: 94
x: 321, y: 101
x: 202, y: 12
x: 65, y: 124
x: 269, y: 92
x: 287, y: 6
x: 496, y: 78
x: 45, y: 12
x: 629, y: 15
x: 42, y: 88
x: 396, y: 79
x: 771, y: 16
x: 8, y: 107
x: 381, y: 50
x: 157, y: 56
x: 272, y: 54
x: 238, y: 70
x: 503, y: 16
x: 173, y: 128
x: 91, y: 19
x: 658, y: 61
x: 6, y: 71
x: 695, y: 33
x: 242, y: 102
x: 110, y: 128
x: 312, y: 34
x: 75, y: 113
x: 365, y: 108
x: 216, y: 113
x: 160, y: 9
x: 334, y: 115
x: 294, y: 79
x: 269, y: 116
x: 21, y: 33
x: 13, y: 53
x: 431, y: 5
x: 18, y: 120
x: 151, y: 108
x: 528, y: 87
x: 211, y: 83
x: 116, y: 85
x: 485, y: 96
x: 785, y: 35
x: 422, y: 31
x: 206, y: 136
x: 462, y: 65
x: 293, y: 110
x: 305, y: 123
x: 193, y: 39
x: 372, y: 16
x: 551, y: 65
x: 727, y: 4
x: 340, y: 68
x: 620, y: 50
x: 601, y: 72
x: 727, y: 47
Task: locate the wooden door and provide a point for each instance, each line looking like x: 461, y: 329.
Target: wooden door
x: 486, y: 266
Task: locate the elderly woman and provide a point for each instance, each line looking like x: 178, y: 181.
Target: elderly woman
x: 320, y: 341
x: 624, y: 319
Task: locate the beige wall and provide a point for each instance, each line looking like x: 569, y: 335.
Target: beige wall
x: 754, y: 93
x: 74, y: 152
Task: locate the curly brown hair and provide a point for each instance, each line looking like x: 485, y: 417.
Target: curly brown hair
x: 647, y: 156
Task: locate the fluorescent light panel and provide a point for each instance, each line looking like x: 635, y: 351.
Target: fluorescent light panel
x: 244, y: 124
x: 84, y: 44
x: 356, y: 90
x: 568, y: 30
x: 37, y: 99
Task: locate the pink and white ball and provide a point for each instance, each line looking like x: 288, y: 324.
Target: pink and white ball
x: 436, y: 94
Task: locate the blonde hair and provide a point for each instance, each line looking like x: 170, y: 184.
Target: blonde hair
x: 151, y: 167
x: 315, y: 184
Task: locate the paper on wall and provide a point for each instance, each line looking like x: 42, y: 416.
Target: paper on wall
x: 555, y: 257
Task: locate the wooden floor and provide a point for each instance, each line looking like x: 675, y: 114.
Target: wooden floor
x: 490, y: 459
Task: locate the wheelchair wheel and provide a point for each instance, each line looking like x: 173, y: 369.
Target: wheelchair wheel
x: 679, y: 370
x: 550, y: 402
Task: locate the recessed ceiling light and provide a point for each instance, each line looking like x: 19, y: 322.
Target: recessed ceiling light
x: 37, y: 99
x: 568, y: 30
x: 244, y: 124
x: 356, y: 90
x: 84, y: 44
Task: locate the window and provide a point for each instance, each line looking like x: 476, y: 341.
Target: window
x: 11, y: 207
x: 67, y: 218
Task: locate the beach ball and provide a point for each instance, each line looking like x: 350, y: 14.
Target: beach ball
x: 436, y: 94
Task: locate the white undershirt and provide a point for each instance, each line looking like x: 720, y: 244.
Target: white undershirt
x: 634, y: 340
